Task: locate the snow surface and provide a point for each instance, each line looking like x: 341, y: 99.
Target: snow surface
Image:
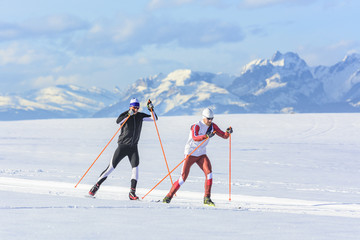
x: 294, y: 176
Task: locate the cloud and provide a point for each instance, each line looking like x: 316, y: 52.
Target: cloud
x: 343, y: 44
x: 156, y: 4
x: 44, y: 81
x: 159, y: 4
x: 13, y: 54
x: 270, y: 3
x: 9, y: 31
x: 130, y: 35
x: 55, y: 24
x: 63, y: 49
x: 328, y: 54
x: 191, y: 34
x: 120, y: 36
x: 257, y: 30
x: 41, y: 27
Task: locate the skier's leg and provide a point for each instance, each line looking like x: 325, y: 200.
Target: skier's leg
x: 134, y: 161
x: 118, y: 155
x: 184, y: 174
x: 134, y: 177
x: 205, y: 165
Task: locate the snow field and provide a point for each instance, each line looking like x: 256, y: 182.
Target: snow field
x: 294, y: 176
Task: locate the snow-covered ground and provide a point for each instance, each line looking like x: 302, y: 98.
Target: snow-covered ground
x: 294, y: 176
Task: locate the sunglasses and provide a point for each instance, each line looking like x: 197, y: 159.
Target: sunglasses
x: 209, y: 119
x: 134, y: 107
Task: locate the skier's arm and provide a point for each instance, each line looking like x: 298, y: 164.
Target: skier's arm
x: 122, y: 117
x: 156, y: 117
x: 195, y: 133
x: 150, y: 107
x: 148, y: 118
x: 220, y: 133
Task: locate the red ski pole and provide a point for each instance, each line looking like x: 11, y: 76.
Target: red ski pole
x: 157, y: 130
x: 175, y: 167
x: 102, y: 151
x: 230, y: 167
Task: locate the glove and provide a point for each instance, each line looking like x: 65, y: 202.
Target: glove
x: 150, y: 106
x: 210, y: 135
x: 229, y: 130
x: 131, y: 112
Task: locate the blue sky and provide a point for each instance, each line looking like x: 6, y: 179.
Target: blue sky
x: 112, y: 43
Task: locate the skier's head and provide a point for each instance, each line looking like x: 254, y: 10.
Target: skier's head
x: 208, y: 116
x: 134, y: 103
x: 208, y: 113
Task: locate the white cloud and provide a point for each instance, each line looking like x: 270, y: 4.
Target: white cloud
x: 155, y: 4
x: 123, y: 35
x: 159, y: 4
x: 14, y: 55
x: 128, y: 35
x: 269, y: 3
x: 55, y: 24
x: 96, y: 29
x: 328, y: 54
x: 44, y: 81
x: 9, y: 31
x: 341, y: 44
x: 127, y: 29
x: 143, y: 61
x: 41, y: 27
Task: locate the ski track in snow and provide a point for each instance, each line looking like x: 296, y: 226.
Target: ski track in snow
x: 317, y: 128
x: 185, y: 199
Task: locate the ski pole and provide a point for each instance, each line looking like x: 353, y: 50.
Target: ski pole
x: 157, y: 130
x: 102, y: 151
x: 230, y: 167
x: 176, y: 167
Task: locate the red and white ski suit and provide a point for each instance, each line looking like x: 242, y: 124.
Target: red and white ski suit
x: 198, y: 133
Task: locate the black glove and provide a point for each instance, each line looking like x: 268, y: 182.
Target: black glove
x: 210, y: 135
x: 150, y: 106
x: 229, y: 130
x: 131, y: 112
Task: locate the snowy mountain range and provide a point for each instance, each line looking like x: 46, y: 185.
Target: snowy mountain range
x: 282, y: 84
x: 63, y: 101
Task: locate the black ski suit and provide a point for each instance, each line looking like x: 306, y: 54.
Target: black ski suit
x: 127, y: 145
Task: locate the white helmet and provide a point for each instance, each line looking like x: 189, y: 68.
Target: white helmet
x: 208, y: 113
x: 134, y: 102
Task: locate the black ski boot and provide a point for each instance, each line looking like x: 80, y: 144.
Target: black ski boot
x: 132, y: 195
x: 207, y: 201
x: 167, y: 200
x: 94, y: 189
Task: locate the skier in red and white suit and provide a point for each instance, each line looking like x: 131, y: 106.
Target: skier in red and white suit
x: 199, y: 132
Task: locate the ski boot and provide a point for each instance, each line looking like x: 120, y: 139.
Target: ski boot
x: 167, y: 199
x: 132, y: 195
x: 207, y: 201
x: 94, y: 189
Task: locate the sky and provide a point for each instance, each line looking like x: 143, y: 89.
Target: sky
x: 113, y: 43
